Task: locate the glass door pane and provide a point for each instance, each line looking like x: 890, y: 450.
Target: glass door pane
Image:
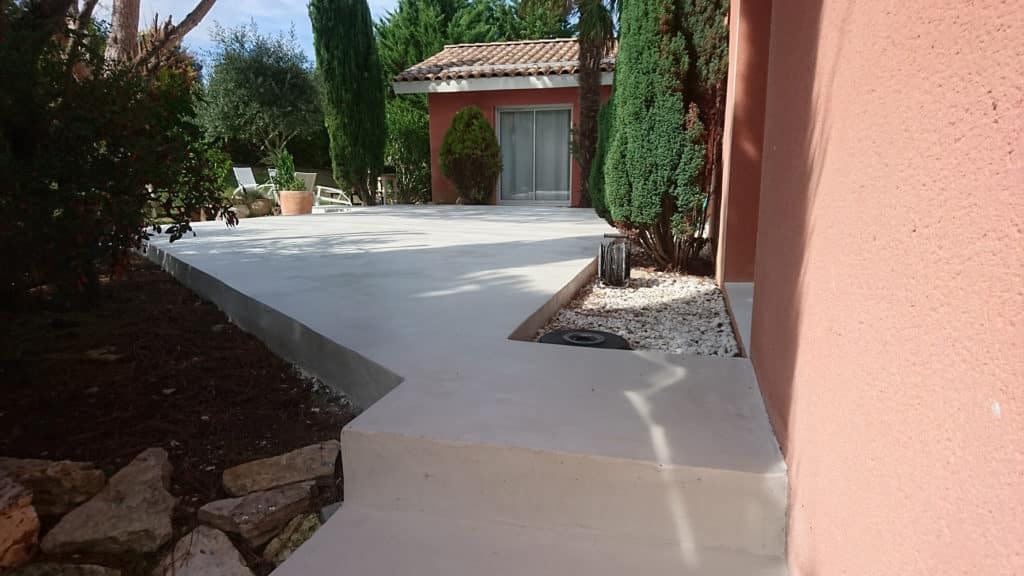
x: 551, y: 155
x: 517, y: 133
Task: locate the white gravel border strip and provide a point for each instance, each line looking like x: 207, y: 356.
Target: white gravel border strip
x: 658, y: 311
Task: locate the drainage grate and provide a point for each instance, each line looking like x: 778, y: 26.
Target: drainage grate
x: 585, y: 338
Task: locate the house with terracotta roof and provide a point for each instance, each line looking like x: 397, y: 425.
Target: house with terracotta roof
x: 529, y: 92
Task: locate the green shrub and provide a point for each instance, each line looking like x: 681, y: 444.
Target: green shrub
x: 470, y: 156
x: 92, y: 163
x: 605, y: 122
x: 408, y: 148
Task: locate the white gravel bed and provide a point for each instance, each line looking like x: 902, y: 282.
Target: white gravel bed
x: 658, y: 311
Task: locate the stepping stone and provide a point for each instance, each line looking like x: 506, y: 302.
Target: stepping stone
x: 51, y: 569
x: 201, y: 552
x: 300, y: 529
x: 132, y: 514
x: 314, y: 462
x: 257, y: 517
x: 57, y: 486
x: 19, y: 524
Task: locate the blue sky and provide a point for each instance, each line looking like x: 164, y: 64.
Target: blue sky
x: 270, y: 16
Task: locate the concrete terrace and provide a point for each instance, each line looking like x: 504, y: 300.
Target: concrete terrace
x: 481, y: 454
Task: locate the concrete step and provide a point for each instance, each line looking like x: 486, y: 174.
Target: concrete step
x: 372, y: 542
x: 638, y: 445
x: 665, y: 503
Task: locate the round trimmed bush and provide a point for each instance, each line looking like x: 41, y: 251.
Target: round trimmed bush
x: 470, y: 156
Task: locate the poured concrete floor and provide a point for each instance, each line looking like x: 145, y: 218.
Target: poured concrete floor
x: 667, y: 448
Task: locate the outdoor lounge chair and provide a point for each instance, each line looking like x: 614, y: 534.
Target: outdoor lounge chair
x: 328, y: 198
x: 247, y: 183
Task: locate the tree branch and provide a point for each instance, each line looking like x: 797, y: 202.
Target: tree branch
x: 169, y: 36
x: 192, y: 20
x: 78, y: 37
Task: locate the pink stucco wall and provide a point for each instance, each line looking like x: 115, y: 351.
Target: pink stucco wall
x: 749, y: 36
x: 443, y: 107
x: 888, y: 322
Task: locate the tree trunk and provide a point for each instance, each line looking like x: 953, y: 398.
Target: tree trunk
x: 591, y: 53
x: 123, y: 44
x: 367, y: 193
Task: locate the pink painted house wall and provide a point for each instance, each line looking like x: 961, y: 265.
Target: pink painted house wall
x: 443, y: 106
x: 888, y: 320
x: 749, y: 37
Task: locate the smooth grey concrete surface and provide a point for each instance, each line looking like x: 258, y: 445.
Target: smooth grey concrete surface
x: 420, y: 290
x: 740, y: 296
x: 370, y: 542
x: 671, y: 449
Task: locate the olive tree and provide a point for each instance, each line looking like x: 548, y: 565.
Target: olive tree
x: 260, y: 89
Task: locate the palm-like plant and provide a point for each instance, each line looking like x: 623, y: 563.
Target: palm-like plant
x: 596, y: 32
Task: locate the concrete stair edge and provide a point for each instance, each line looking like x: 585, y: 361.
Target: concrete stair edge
x: 630, y: 498
x: 373, y: 542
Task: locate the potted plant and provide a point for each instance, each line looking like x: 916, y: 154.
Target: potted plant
x: 291, y: 192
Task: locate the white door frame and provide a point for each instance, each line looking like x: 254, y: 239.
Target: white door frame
x: 497, y: 134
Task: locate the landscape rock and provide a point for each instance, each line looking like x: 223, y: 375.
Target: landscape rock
x: 131, y: 514
x: 314, y: 462
x: 52, y: 569
x: 19, y: 524
x: 257, y: 517
x: 300, y: 529
x: 201, y: 552
x: 57, y: 486
x: 327, y: 511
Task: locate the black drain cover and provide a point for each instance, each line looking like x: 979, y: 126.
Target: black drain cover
x: 586, y: 338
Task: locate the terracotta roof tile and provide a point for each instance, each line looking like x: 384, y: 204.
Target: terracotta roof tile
x: 524, y: 58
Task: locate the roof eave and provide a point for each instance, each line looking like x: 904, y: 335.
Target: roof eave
x: 494, y: 83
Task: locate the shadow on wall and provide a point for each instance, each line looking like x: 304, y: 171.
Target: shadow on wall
x: 796, y: 147
x: 796, y: 138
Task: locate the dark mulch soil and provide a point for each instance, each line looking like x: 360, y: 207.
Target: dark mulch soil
x: 152, y: 364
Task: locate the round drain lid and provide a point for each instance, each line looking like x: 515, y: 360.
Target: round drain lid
x: 586, y: 338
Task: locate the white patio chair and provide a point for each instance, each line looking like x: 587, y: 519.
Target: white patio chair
x: 247, y: 183
x: 331, y: 197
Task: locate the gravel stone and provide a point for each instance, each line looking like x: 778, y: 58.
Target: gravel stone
x: 658, y: 311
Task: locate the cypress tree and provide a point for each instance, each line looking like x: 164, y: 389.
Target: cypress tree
x: 657, y: 177
x: 605, y: 122
x: 351, y: 90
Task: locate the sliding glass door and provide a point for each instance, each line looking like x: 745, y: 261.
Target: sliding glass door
x: 535, y: 155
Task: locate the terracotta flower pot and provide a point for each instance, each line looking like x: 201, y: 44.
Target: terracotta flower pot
x: 295, y: 202
x: 261, y: 207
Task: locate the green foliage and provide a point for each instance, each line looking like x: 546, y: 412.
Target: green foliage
x: 284, y: 178
x: 605, y: 125
x: 413, y: 32
x: 534, y: 20
x: 351, y: 90
x: 260, y: 90
x: 408, y: 148
x: 507, y: 20
x: 90, y: 159
x: 656, y: 178
x: 470, y: 156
